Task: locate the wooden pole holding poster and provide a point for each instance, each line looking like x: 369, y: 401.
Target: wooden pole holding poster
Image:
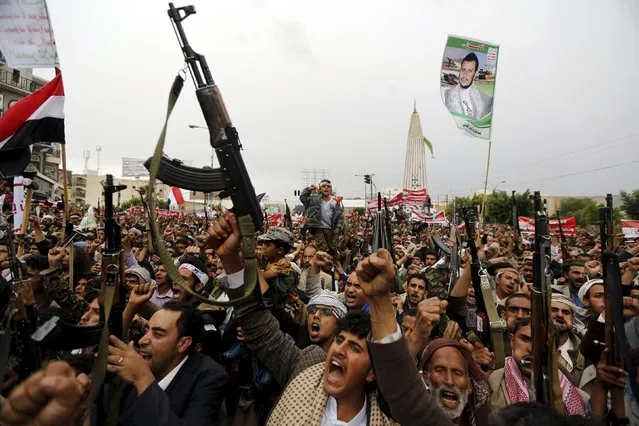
x: 66, y: 189
x: 483, y: 202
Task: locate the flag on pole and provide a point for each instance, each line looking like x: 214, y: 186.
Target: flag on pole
x: 176, y: 197
x: 429, y: 146
x: 36, y: 118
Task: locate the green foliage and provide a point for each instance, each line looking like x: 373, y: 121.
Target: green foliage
x: 360, y: 211
x: 499, y: 207
x: 136, y: 201
x: 586, y: 210
x: 630, y: 203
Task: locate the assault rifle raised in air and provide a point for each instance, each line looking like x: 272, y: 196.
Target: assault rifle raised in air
x: 492, y: 329
x: 618, y: 352
x: 565, y: 255
x: 545, y: 377
x: 230, y: 180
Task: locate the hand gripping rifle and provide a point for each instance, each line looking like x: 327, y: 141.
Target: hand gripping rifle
x: 618, y: 353
x: 231, y: 178
x: 492, y: 337
x: 545, y: 377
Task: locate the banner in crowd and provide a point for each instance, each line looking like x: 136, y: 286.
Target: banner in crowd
x: 467, y: 80
x: 568, y: 225
x: 276, y: 219
x: 438, y: 218
x: 158, y: 212
x: 411, y: 197
x: 26, y: 36
x: 630, y: 229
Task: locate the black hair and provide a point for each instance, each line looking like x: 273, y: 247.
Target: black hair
x: 515, y: 296
x: 190, y: 322
x: 527, y: 414
x: 520, y: 323
x: 281, y: 244
x: 195, y: 262
x: 471, y: 57
x: 419, y: 277
x: 38, y: 262
x: 427, y: 252
x: 355, y: 322
x: 183, y: 240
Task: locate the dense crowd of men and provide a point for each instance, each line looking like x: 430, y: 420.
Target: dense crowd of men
x: 343, y: 334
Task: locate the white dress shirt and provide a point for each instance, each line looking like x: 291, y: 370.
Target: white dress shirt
x: 329, y: 418
x: 166, y: 381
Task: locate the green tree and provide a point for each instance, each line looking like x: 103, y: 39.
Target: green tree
x: 586, y: 210
x: 630, y: 203
x: 361, y: 211
x: 499, y: 206
x: 462, y: 203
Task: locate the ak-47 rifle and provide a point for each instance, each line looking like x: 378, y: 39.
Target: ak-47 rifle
x: 231, y: 179
x: 565, y: 256
x: 515, y: 219
x: 545, y: 378
x: 21, y: 314
x: 453, y: 262
x: 493, y: 327
x: 618, y: 353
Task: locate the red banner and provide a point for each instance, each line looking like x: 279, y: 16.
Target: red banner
x: 630, y: 228
x: 275, y: 219
x: 568, y: 225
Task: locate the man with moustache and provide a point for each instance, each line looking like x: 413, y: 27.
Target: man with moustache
x: 574, y: 275
x: 456, y: 382
x: 465, y: 98
x: 509, y: 385
x: 571, y: 360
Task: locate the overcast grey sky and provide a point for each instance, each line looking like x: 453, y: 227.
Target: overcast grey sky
x: 331, y: 85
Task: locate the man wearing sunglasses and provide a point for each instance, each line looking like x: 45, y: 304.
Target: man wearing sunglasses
x: 324, y: 309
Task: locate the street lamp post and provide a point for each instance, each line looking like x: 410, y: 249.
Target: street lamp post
x: 195, y: 126
x: 497, y: 185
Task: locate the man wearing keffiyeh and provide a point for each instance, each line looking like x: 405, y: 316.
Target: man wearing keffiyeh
x: 509, y: 385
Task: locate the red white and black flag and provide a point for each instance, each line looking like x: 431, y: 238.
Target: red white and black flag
x: 36, y: 118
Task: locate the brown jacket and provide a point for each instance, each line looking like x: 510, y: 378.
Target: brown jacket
x: 498, y: 395
x: 276, y: 349
x: 401, y: 385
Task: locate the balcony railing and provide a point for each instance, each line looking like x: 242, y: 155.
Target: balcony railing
x: 8, y: 77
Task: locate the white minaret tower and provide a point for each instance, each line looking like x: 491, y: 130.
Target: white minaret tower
x: 415, y: 163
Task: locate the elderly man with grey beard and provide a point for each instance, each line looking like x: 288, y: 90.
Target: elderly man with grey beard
x: 456, y: 382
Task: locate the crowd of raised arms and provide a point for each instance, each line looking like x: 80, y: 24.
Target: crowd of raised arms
x: 338, y: 331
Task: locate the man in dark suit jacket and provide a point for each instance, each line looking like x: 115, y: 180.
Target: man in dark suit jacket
x: 170, y: 383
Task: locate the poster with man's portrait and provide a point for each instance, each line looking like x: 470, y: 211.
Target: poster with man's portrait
x: 469, y: 70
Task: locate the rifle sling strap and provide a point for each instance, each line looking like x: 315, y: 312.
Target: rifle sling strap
x: 98, y: 372
x: 245, y: 223
x: 496, y: 324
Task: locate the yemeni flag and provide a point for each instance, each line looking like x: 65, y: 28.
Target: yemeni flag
x: 175, y: 197
x: 36, y: 118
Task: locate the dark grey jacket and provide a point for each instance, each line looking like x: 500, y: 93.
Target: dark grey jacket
x: 313, y: 203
